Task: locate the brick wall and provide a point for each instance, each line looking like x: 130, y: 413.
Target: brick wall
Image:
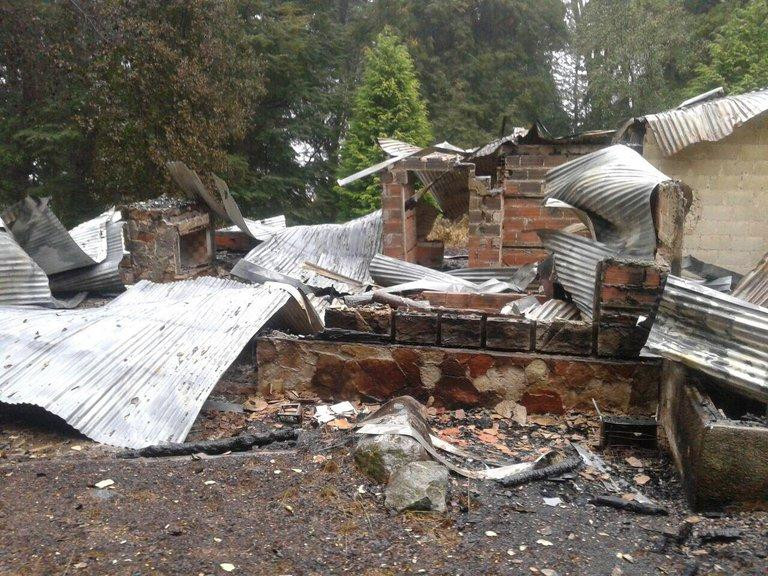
x: 625, y: 290
x: 523, y: 212
x: 727, y: 224
x: 399, y: 224
x: 486, y: 210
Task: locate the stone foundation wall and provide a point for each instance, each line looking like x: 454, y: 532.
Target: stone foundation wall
x: 454, y: 378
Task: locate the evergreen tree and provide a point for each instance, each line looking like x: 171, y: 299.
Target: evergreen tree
x: 637, y: 57
x: 387, y: 104
x: 738, y: 53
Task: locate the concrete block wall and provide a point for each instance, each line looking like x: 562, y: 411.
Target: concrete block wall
x: 727, y: 225
x: 524, y: 213
x: 400, y: 237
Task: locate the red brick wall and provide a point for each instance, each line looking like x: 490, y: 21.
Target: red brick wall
x: 523, y: 211
x: 625, y: 291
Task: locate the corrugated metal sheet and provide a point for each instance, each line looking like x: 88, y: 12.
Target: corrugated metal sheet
x: 613, y: 186
x: 345, y: 249
x: 718, y: 334
x: 707, y: 121
x: 136, y: 371
x: 393, y: 147
x: 387, y: 271
x: 103, y: 277
x: 260, y: 229
x: 576, y: 260
x: 520, y: 277
x: 91, y: 235
x: 754, y: 286
x: 37, y: 230
x: 493, y: 146
x: 553, y: 310
x: 22, y: 282
x: 223, y: 203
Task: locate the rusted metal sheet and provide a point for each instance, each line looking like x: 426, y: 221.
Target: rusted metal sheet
x: 754, y: 286
x: 136, y: 371
x: 716, y: 333
x: 696, y: 121
x: 298, y: 251
x: 576, y: 260
x: 613, y: 186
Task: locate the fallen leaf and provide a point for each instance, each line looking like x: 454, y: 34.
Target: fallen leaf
x: 693, y: 519
x: 628, y: 496
x: 543, y: 542
x: 634, y: 462
x: 487, y: 438
x: 542, y: 420
x: 341, y: 424
x: 255, y: 404
x: 450, y: 432
x: 548, y: 572
x: 104, y: 483
x: 460, y: 414
x: 490, y: 431
x: 227, y: 567
x: 504, y: 449
x: 642, y: 479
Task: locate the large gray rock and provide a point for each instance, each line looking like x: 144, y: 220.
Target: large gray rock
x: 382, y: 455
x: 418, y: 486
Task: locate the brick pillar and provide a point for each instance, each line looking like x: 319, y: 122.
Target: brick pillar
x: 486, y: 208
x: 625, y: 290
x: 670, y: 206
x: 399, y: 225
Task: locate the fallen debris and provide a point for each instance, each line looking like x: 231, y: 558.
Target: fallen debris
x: 380, y: 456
x: 418, y: 486
x: 630, y: 505
x: 240, y: 443
x: 549, y: 466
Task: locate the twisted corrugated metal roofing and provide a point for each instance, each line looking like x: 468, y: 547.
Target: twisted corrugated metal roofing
x: 136, y: 371
x: 103, y: 277
x: 553, y: 310
x: 718, y: 334
x: 708, y: 121
x: 37, y: 230
x: 22, y: 282
x: 754, y: 286
x: 91, y: 235
x: 613, y: 186
x: 344, y: 249
x: 576, y: 260
x: 388, y: 271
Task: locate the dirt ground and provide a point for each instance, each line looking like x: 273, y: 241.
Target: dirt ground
x: 304, y: 509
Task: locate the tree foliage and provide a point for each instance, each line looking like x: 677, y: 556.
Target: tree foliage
x: 637, y: 57
x: 738, y: 54
x: 387, y: 104
x: 95, y: 96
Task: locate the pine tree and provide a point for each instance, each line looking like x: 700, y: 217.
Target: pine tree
x: 387, y: 104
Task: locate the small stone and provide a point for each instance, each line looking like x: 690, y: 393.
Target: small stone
x: 104, y: 483
x: 227, y: 567
x: 490, y: 533
x: 418, y: 486
x: 543, y: 542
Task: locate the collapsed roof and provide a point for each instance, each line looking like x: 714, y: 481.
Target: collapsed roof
x: 136, y: 371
